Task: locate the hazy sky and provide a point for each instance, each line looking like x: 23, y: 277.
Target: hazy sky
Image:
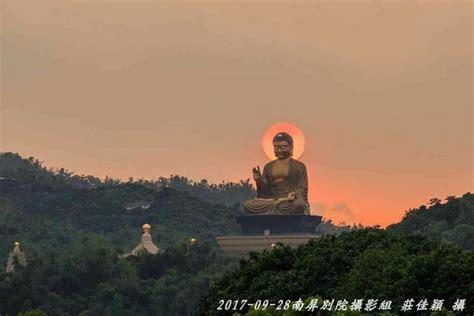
x: 381, y: 89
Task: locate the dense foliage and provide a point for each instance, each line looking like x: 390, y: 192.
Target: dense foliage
x: 362, y: 264
x: 89, y: 278
x: 32, y: 171
x: 54, y: 213
x: 74, y: 228
x: 44, y: 211
x: 453, y: 220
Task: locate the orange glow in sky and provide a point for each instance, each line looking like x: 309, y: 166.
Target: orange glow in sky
x: 381, y: 89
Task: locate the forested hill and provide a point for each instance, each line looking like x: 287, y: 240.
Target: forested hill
x: 453, y: 220
x: 15, y: 168
x: 31, y: 170
x: 47, y: 210
x: 73, y: 228
x: 367, y: 264
x: 178, y: 205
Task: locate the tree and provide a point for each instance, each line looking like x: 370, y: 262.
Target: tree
x: 434, y: 201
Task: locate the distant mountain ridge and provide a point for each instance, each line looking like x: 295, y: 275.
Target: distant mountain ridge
x: 32, y: 172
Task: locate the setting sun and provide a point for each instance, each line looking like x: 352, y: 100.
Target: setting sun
x: 295, y: 132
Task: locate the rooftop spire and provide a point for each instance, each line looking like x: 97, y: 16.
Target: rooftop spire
x: 147, y: 243
x: 17, y: 254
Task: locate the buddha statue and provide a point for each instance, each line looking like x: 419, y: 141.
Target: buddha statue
x: 282, y: 189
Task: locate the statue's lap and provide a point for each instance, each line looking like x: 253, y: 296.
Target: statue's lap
x: 271, y: 206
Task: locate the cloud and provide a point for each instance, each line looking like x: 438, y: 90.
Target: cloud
x: 318, y: 208
x: 338, y: 212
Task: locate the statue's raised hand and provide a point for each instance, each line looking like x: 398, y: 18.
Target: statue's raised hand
x: 257, y: 175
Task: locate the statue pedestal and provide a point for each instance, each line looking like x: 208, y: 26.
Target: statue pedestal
x: 261, y: 231
x: 241, y: 245
x: 278, y: 224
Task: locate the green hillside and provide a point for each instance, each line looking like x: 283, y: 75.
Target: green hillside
x: 362, y: 264
x: 73, y: 229
x: 453, y: 220
x: 32, y: 172
x: 46, y: 210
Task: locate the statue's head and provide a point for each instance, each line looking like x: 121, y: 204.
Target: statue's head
x: 283, y: 145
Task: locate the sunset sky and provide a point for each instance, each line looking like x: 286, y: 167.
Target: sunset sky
x: 382, y: 91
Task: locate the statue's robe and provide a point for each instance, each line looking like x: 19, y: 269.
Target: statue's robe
x: 273, y: 190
